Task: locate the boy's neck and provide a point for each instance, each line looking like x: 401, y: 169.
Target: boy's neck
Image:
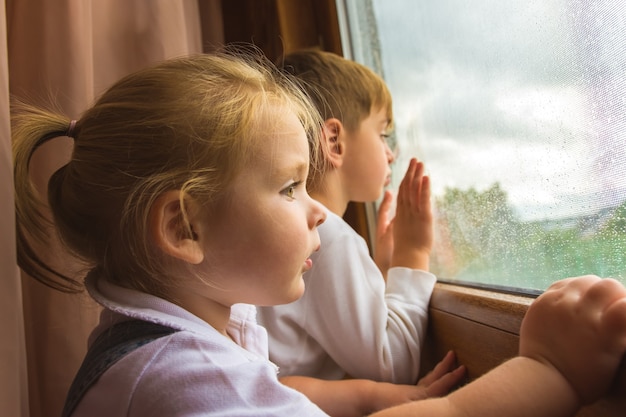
x: 339, y: 208
x: 331, y: 195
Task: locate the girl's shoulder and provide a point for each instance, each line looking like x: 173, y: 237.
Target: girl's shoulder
x: 186, y: 373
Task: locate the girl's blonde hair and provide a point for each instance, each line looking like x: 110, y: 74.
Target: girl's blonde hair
x: 187, y: 124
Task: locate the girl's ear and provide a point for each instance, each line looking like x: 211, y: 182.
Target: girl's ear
x: 170, y: 231
x: 333, y: 142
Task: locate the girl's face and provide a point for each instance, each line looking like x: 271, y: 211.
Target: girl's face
x: 258, y: 242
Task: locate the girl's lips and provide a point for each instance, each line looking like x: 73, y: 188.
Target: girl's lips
x: 308, y: 263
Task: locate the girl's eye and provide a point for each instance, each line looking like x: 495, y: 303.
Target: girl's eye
x: 384, y: 137
x: 290, y: 191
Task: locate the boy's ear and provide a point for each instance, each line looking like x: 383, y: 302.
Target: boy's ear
x: 333, y: 141
x: 169, y: 231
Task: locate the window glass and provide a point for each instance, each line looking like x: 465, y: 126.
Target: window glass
x: 518, y: 109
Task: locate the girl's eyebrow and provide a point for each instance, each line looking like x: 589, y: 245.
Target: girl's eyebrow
x: 299, y: 169
x: 295, y: 171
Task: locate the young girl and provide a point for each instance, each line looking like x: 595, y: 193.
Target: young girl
x: 185, y: 195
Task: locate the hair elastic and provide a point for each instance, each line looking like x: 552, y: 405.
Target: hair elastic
x: 69, y: 132
x: 70, y: 129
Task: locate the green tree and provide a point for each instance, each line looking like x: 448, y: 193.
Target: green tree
x: 477, y: 229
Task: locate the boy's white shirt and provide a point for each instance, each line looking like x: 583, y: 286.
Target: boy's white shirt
x: 195, y: 371
x: 348, y: 323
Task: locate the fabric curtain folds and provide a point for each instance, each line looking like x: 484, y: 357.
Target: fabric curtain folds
x: 68, y: 51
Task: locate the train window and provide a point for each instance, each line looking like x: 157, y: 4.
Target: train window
x: 518, y: 109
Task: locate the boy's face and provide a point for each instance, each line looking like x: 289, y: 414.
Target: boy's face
x: 368, y: 158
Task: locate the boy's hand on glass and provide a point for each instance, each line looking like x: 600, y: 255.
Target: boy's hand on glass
x: 413, y: 223
x: 384, y: 235
x: 578, y: 327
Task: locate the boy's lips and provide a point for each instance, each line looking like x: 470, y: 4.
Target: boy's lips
x: 308, y: 264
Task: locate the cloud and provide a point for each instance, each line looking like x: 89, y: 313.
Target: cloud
x: 484, y: 38
x: 526, y: 93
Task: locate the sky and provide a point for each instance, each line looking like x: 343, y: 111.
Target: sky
x: 527, y: 93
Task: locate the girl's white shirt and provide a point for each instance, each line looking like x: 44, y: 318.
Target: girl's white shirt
x: 193, y: 372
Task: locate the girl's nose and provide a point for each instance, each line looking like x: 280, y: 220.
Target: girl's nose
x: 318, y: 213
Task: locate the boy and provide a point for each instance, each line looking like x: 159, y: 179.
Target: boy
x: 357, y: 318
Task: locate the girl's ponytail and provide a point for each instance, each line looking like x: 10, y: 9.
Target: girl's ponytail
x: 31, y: 127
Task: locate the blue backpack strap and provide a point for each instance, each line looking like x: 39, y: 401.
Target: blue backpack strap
x: 115, y: 342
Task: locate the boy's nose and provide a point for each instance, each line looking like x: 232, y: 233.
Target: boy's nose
x: 391, y: 155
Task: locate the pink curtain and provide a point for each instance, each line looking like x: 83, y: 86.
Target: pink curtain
x: 70, y: 51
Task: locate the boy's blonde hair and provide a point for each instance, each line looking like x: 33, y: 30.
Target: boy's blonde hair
x: 187, y: 124
x: 340, y: 88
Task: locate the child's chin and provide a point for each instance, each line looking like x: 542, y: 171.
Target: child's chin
x: 299, y: 292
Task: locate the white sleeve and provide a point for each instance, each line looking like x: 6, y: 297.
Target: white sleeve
x: 369, y: 330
